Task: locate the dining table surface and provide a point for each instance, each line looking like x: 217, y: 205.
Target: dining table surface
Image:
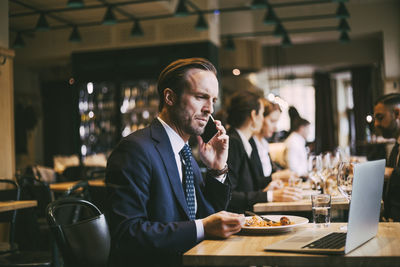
x: 65, y: 186
x: 339, y: 203
x: 16, y: 205
x: 248, y: 250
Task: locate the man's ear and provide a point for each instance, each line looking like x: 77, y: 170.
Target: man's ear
x: 169, y: 97
x: 253, y: 115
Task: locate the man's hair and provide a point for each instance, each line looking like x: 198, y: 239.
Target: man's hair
x: 270, y: 107
x: 240, y: 107
x: 174, y: 76
x: 389, y: 100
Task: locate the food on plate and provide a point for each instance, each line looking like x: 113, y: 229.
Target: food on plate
x: 257, y: 221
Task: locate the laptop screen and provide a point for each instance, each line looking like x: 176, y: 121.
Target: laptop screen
x: 365, y: 203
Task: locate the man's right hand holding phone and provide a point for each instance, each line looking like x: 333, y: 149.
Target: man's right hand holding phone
x: 214, y: 154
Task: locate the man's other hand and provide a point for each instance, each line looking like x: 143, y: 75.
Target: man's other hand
x: 222, y: 224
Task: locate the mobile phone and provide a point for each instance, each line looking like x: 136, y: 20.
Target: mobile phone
x: 210, y: 130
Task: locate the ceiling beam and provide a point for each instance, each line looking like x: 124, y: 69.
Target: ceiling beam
x: 67, y: 9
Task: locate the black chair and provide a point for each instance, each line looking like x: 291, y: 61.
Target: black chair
x: 13, y: 257
x: 83, y: 241
x: 94, y: 194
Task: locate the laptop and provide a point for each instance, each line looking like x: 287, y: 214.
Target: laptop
x: 363, y: 221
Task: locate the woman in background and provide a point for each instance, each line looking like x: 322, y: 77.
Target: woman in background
x: 260, y: 145
x: 245, y: 117
x: 296, y: 151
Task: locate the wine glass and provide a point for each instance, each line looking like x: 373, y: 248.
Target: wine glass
x: 345, y: 179
x: 345, y: 182
x: 314, y: 171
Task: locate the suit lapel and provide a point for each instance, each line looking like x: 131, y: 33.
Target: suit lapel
x: 252, y: 168
x: 164, y: 148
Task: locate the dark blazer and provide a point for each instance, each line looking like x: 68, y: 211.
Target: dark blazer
x: 147, y: 213
x: 246, y: 182
x: 391, y: 195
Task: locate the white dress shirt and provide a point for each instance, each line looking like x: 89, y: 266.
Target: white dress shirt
x: 177, y: 144
x: 296, y: 154
x: 263, y: 153
x: 246, y: 143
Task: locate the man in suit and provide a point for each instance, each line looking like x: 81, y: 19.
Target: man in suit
x: 387, y: 123
x: 159, y: 204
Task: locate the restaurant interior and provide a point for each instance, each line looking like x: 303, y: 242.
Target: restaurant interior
x: 76, y: 76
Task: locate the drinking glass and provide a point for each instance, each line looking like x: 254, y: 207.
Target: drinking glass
x: 321, y: 209
x: 345, y: 179
x: 345, y: 182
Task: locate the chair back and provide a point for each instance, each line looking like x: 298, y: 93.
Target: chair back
x: 85, y: 242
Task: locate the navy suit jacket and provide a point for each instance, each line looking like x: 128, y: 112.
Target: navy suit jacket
x: 147, y: 213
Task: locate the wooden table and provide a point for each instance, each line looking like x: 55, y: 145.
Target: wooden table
x: 65, y: 186
x: 15, y: 205
x: 247, y: 250
x: 302, y: 205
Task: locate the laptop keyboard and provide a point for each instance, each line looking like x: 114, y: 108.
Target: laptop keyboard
x: 331, y: 241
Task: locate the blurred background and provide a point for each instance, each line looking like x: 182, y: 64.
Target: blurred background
x: 77, y: 76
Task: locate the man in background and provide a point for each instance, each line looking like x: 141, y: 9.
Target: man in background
x: 159, y: 204
x: 387, y: 123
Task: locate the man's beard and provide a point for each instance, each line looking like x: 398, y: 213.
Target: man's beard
x: 390, y: 132
x: 183, y: 121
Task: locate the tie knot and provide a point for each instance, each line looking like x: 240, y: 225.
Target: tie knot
x: 186, y: 153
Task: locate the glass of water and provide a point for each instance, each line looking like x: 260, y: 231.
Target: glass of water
x: 321, y: 209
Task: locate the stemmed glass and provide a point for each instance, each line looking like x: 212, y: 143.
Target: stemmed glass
x: 345, y: 181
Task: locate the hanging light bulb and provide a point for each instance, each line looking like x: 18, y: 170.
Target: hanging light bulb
x: 343, y: 26
x: 279, y: 30
x: 344, y: 38
x: 19, y: 42
x: 42, y: 24
x: 270, y: 17
x: 341, y: 12
x: 75, y: 3
x: 137, y: 30
x: 109, y: 17
x: 201, y: 24
x: 75, y: 36
x: 286, y: 42
x: 181, y: 10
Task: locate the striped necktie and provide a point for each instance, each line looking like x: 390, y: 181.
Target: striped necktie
x: 186, y: 155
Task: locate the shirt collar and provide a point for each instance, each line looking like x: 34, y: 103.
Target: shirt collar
x: 261, y: 143
x: 176, y: 141
x: 245, y: 142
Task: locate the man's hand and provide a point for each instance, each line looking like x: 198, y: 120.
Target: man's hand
x: 287, y: 194
x: 214, y: 154
x: 222, y: 224
x: 274, y: 185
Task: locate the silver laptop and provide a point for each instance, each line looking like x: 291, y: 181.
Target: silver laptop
x: 363, y: 221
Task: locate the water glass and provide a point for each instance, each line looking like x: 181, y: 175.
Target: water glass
x: 321, y: 209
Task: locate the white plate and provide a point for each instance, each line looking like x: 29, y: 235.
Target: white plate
x: 297, y: 221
